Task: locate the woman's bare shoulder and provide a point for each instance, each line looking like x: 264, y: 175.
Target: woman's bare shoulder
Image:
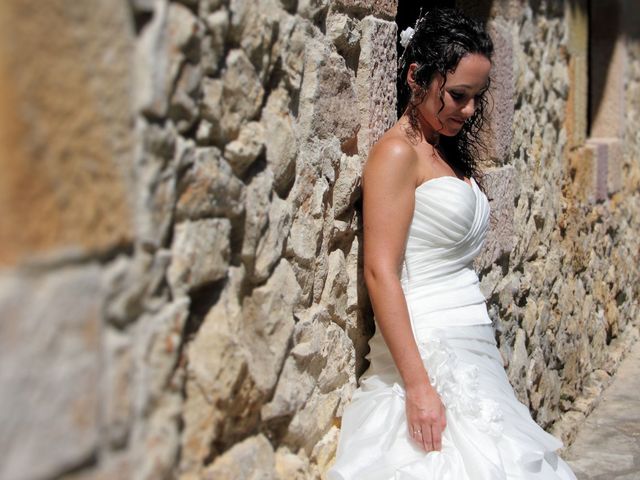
x: 392, y: 154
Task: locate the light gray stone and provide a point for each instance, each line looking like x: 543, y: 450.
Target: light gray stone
x: 347, y: 187
x: 258, y: 197
x: 217, y: 24
x: 328, y: 104
x: 242, y: 94
x: 165, y: 42
x: 200, y: 254
x: 156, y: 184
x: 270, y: 248
x: 375, y: 81
x: 245, y: 149
x: 183, y: 109
x: 118, y: 405
x: 268, y: 324
x: 251, y: 459
x: 49, y: 370
x: 343, y: 32
x: 280, y: 139
x: 209, y: 188
x: 217, y: 366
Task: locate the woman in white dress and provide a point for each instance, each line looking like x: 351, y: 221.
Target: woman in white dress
x: 435, y: 402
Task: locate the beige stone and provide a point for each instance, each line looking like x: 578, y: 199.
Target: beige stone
x: 65, y: 129
x: 375, y: 81
x: 251, y: 459
x: 271, y: 245
x: 244, y: 150
x: 280, y: 139
x: 209, y: 188
x: 382, y: 8
x: 242, y: 93
x: 268, y: 324
x: 328, y: 104
x: 200, y: 254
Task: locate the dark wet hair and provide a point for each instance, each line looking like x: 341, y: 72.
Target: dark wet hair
x: 441, y: 39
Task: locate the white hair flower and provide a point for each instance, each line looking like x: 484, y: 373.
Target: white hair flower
x: 405, y: 36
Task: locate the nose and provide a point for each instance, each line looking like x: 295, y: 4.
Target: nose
x: 469, y: 109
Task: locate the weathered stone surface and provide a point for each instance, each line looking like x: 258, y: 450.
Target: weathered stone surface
x: 502, y: 92
x: 200, y: 254
x: 375, y: 82
x: 118, y: 405
x: 244, y: 150
x: 342, y: 30
x: 164, y: 45
x: 217, y: 365
x: 280, y: 139
x: 158, y: 342
x: 334, y: 295
x: 242, y: 93
x: 347, y: 187
x: 254, y: 26
x: 156, y: 177
x: 268, y: 324
x: 501, y: 189
x: 251, y: 459
x: 291, y: 466
x: 257, y: 214
x: 65, y: 129
x: 217, y: 24
x: 381, y: 8
x: 328, y: 105
x: 183, y: 108
x: 209, y: 188
x: 209, y: 129
x: 159, y: 442
x: 271, y: 245
x: 58, y: 426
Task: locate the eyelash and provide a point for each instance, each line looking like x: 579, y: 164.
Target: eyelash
x: 459, y: 96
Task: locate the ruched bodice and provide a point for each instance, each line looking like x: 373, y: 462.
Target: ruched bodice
x: 448, y: 228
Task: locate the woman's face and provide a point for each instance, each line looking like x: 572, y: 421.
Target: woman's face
x: 460, y: 95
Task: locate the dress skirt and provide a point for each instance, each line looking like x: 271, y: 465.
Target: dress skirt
x: 489, y: 435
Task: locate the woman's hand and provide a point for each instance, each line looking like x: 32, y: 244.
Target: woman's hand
x: 426, y: 418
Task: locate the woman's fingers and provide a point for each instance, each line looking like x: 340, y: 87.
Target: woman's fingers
x: 426, y: 437
x: 436, y: 437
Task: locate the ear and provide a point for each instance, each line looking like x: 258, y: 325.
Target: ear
x: 411, y: 79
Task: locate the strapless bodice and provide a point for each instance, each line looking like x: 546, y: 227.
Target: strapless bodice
x: 447, y: 231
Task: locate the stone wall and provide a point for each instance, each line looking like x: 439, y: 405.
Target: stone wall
x: 181, y: 285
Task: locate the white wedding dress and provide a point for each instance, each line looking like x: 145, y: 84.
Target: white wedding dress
x: 489, y: 435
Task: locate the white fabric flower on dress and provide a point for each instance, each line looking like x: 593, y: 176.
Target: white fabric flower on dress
x: 405, y: 36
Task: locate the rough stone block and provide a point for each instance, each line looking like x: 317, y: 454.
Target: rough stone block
x: 380, y: 8
x: 200, y: 254
x: 502, y: 93
x: 280, y: 139
x: 209, y: 188
x: 375, y: 81
x: 251, y: 458
x: 268, y: 324
x: 49, y: 370
x: 501, y: 187
x: 242, y: 94
x: 65, y: 128
x: 607, y: 154
x: 328, y: 105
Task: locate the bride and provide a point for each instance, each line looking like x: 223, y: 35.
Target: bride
x: 435, y: 402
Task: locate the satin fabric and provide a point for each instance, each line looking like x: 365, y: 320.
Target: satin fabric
x: 490, y: 435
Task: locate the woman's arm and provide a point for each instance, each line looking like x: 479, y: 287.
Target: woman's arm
x: 389, y: 183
